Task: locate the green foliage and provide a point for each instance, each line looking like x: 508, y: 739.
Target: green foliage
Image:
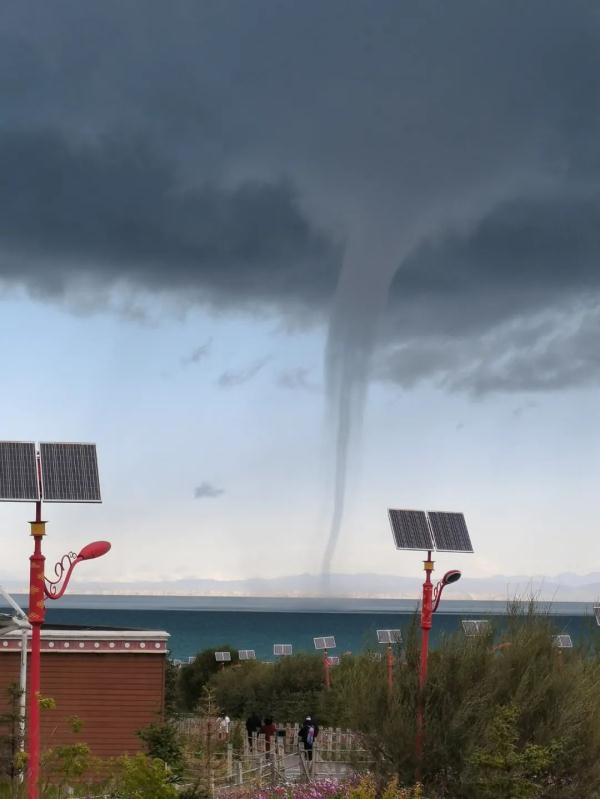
x: 163, y: 742
x: 171, y: 689
x: 503, y: 768
x: 522, y: 720
x: 286, y: 690
x: 10, y: 735
x: 142, y: 777
x: 64, y: 765
x: 193, y: 677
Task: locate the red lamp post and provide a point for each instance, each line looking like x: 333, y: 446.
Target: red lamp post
x: 431, y: 600
x: 326, y: 668
x: 41, y: 588
x: 389, y: 659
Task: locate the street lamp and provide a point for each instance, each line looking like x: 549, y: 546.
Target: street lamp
x: 323, y: 644
x: 434, y: 530
x: 389, y: 637
x: 55, y: 471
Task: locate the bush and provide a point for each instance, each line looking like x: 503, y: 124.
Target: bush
x: 194, y: 676
x: 163, y: 742
x: 511, y: 722
x: 286, y: 690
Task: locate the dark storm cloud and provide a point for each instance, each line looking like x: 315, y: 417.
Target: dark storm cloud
x: 115, y: 211
x: 228, y: 153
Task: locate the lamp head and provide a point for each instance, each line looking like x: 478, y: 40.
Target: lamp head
x: 94, y: 550
x: 452, y: 576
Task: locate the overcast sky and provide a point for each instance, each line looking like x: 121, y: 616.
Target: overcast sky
x: 206, y: 208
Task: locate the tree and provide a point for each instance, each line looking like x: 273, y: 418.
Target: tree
x: 502, y: 767
x: 163, y: 742
x: 194, y: 676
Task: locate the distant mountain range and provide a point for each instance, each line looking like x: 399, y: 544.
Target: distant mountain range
x: 564, y: 587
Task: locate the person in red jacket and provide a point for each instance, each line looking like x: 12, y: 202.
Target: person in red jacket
x: 269, y: 730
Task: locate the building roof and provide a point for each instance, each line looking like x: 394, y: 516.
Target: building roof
x: 67, y: 638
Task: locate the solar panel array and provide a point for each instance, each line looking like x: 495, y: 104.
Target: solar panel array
x: 473, y: 627
x: 247, y: 654
x: 282, y: 649
x: 222, y: 657
x: 18, y: 472
x: 333, y: 660
x: 69, y: 472
x: 562, y: 641
x: 434, y: 530
x: 325, y: 642
x: 389, y: 636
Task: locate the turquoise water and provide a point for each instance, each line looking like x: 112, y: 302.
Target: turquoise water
x: 196, y: 623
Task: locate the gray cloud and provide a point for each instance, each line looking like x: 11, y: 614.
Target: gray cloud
x: 294, y: 379
x: 198, y: 354
x: 207, y: 490
x: 232, y: 378
x: 550, y: 354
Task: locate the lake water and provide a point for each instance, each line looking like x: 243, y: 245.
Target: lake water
x: 195, y: 623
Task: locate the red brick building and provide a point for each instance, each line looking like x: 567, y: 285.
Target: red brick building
x: 113, y: 680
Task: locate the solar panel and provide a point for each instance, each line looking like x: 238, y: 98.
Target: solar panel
x: 325, y: 642
x: 69, y: 473
x: 473, y: 627
x: 18, y: 472
x: 389, y: 636
x: 410, y: 529
x: 222, y: 657
x: 449, y: 532
x: 247, y: 654
x: 333, y: 660
x: 282, y: 649
x: 562, y: 641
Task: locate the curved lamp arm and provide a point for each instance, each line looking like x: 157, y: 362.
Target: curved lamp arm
x: 63, y: 569
x: 450, y: 577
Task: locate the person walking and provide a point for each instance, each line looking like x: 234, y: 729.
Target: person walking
x: 253, y: 725
x: 269, y: 730
x: 307, y: 734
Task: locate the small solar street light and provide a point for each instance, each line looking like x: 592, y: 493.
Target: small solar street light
x: 475, y: 627
x: 429, y: 531
x: 389, y: 637
x: 324, y: 643
x: 246, y: 654
x: 282, y: 650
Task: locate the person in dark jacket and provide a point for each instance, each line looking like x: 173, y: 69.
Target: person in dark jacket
x: 253, y: 725
x: 307, y: 735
